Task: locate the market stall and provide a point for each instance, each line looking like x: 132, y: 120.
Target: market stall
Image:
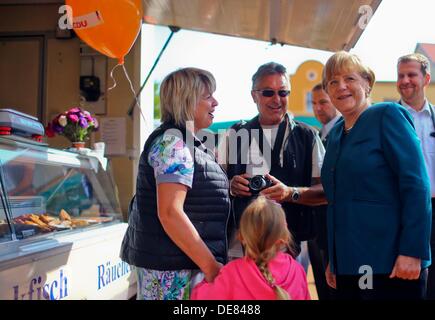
x: 60, y: 225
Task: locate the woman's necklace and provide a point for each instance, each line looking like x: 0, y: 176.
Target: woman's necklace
x: 348, y: 129
x: 354, y: 120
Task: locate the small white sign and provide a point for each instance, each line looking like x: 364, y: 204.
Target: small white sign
x: 89, y: 20
x: 113, y: 133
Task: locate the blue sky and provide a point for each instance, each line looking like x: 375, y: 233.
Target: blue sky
x: 393, y: 31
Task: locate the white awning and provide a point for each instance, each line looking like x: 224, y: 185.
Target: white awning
x: 320, y: 24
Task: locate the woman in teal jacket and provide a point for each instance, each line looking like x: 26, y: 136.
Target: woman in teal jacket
x: 377, y: 186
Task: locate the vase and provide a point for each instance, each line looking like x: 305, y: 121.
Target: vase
x: 78, y: 145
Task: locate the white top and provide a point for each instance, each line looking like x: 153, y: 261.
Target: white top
x: 424, y: 127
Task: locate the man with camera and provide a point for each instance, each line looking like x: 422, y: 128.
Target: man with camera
x: 276, y: 156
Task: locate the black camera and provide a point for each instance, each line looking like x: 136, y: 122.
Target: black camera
x: 258, y: 183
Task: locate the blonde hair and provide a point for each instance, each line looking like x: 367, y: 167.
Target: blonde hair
x: 263, y: 232
x: 417, y: 57
x: 181, y: 91
x: 343, y: 61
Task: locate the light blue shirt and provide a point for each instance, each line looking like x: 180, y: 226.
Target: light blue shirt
x: 327, y: 127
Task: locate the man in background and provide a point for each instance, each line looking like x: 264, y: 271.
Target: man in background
x: 413, y: 76
x: 324, y: 111
x: 327, y: 115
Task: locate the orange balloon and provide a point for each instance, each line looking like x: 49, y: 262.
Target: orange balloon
x: 109, y: 26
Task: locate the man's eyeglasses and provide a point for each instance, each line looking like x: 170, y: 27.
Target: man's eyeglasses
x: 270, y: 93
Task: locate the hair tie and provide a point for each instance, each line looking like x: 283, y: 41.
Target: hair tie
x: 274, y: 202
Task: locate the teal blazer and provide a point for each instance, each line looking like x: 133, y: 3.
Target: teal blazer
x: 378, y: 191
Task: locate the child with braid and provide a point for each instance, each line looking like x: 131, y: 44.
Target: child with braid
x: 266, y: 272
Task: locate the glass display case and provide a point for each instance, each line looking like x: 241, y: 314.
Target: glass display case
x: 49, y: 191
x: 59, y: 208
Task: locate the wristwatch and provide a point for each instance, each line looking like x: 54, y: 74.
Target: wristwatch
x: 296, y: 194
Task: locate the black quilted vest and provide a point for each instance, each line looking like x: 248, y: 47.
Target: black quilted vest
x: 207, y: 205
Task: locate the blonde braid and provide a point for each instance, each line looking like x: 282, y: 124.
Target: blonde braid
x: 261, y: 263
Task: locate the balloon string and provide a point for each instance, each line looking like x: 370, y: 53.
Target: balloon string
x: 113, y: 79
x: 134, y: 93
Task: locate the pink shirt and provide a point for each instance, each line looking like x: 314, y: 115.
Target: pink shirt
x: 242, y: 280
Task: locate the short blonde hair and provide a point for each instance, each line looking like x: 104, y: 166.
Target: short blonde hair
x: 343, y: 61
x: 181, y: 91
x: 263, y: 231
x: 417, y: 57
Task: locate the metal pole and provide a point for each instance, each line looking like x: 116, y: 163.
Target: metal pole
x: 173, y: 30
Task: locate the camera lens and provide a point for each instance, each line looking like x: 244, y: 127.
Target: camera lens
x: 257, y: 183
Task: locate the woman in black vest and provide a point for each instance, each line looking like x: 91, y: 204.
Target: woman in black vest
x: 178, y: 218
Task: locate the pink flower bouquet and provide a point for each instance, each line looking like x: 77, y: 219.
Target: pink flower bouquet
x: 75, y: 124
